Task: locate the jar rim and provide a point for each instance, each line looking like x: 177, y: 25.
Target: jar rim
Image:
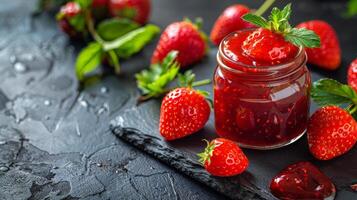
x: 221, y: 55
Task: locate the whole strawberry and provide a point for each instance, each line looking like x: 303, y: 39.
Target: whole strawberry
x: 184, y: 37
x: 183, y: 111
x: 352, y: 75
x: 328, y: 55
x: 137, y: 10
x: 229, y: 21
x: 331, y: 132
x: 66, y: 15
x: 223, y: 157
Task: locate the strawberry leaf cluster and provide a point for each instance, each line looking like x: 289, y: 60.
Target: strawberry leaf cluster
x: 278, y: 22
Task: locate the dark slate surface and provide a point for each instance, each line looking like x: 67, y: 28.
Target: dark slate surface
x: 55, y: 142
x: 138, y: 125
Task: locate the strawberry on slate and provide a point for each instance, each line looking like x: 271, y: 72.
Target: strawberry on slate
x: 184, y: 37
x: 352, y: 75
x: 223, y: 157
x: 67, y: 16
x: 229, y: 21
x: 137, y: 10
x: 332, y: 132
x: 184, y: 111
x: 328, y: 55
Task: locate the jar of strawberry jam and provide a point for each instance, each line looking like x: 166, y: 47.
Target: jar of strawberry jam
x: 260, y: 104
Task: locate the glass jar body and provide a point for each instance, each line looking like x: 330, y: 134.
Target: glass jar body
x: 262, y: 109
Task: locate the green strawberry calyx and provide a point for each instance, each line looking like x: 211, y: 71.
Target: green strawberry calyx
x: 206, y: 155
x: 278, y: 22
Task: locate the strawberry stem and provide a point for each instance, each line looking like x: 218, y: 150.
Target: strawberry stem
x: 201, y: 82
x: 91, y: 29
x: 264, y: 7
x: 352, y: 109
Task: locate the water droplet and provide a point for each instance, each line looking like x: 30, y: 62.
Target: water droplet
x: 20, y: 67
x: 77, y: 130
x: 4, y: 169
x: 2, y: 142
x: 47, y: 102
x: 83, y: 103
x: 104, y: 90
x: 99, y: 164
x: 117, y: 171
x: 47, y: 117
x: 12, y: 59
x: 102, y: 110
x: 54, y: 167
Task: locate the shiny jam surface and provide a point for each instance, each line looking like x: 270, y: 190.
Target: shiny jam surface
x: 302, y: 181
x: 256, y: 104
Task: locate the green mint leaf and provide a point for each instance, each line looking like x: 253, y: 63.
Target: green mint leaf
x: 286, y: 12
x: 351, y: 8
x: 152, y: 82
x: 330, y: 92
x: 114, y: 28
x: 133, y: 41
x: 186, y: 79
x: 303, y: 37
x: 255, y: 19
x: 88, y: 59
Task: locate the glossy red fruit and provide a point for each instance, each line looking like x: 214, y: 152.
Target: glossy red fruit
x: 184, y: 37
x: 66, y: 13
x: 229, y: 21
x: 331, y: 132
x: 328, y: 56
x: 352, y: 75
x: 302, y: 181
x: 137, y: 10
x: 100, y: 9
x: 223, y: 157
x: 265, y: 46
x: 245, y: 119
x: 184, y: 111
x: 99, y: 3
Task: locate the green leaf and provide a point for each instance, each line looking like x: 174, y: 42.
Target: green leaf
x: 256, y: 20
x: 114, y: 28
x: 133, y: 41
x: 351, y: 8
x: 303, y: 37
x: 78, y: 22
x: 88, y: 59
x: 114, y: 61
x: 186, y: 79
x: 330, y: 92
x: 84, y: 3
x: 153, y: 82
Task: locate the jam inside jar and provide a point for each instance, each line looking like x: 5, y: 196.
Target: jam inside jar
x: 259, y: 106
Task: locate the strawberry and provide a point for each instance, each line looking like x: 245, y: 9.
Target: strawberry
x: 332, y: 131
x: 223, y: 157
x: 184, y: 37
x: 68, y: 21
x: 137, y: 10
x: 328, y: 55
x: 100, y: 9
x: 228, y: 22
x: 352, y: 75
x: 265, y: 46
x: 276, y: 42
x: 183, y: 111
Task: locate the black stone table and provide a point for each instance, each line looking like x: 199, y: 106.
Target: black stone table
x: 56, y: 142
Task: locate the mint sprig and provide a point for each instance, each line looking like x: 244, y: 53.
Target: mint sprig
x: 326, y: 92
x: 278, y: 22
x: 351, y: 8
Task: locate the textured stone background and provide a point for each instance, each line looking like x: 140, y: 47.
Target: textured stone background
x: 55, y: 143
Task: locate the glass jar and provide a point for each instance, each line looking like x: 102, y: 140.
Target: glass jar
x: 261, y: 107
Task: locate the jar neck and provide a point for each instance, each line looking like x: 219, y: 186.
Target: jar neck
x: 259, y: 73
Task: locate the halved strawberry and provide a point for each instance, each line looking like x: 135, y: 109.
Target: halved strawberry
x: 352, y: 75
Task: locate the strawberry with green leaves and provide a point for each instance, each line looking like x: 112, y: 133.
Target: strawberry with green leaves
x: 184, y: 110
x: 276, y: 41
x: 184, y: 37
x: 70, y: 19
x: 223, y: 157
x: 332, y: 130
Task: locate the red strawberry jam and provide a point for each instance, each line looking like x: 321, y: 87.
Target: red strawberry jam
x: 261, y: 90
x: 302, y: 181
